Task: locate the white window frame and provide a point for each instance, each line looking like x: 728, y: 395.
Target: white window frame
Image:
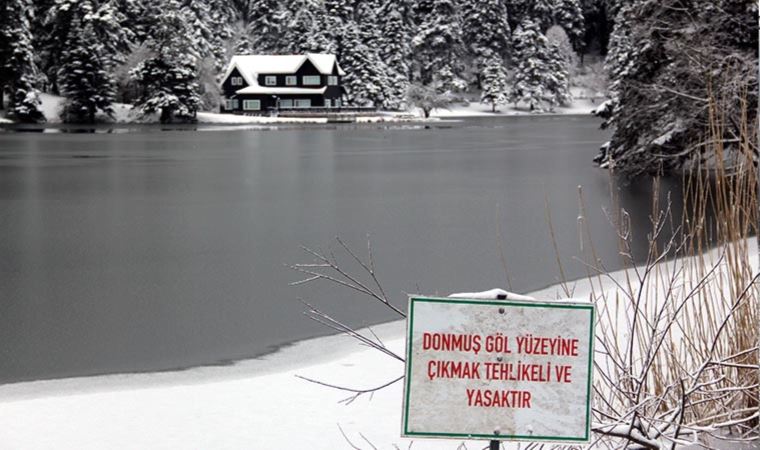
x: 291, y: 80
x: 236, y: 81
x: 247, y: 105
x: 332, y: 80
x: 328, y: 103
x: 286, y: 103
x: 302, y: 103
x: 311, y: 80
x: 270, y: 80
x: 231, y: 104
x: 336, y: 103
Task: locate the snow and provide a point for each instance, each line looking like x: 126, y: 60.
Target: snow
x: 257, y: 403
x: 493, y: 294
x: 208, y: 117
x: 256, y: 89
x: 52, y: 105
x: 250, y: 66
x: 579, y: 106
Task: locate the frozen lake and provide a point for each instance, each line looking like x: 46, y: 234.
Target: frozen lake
x: 158, y: 250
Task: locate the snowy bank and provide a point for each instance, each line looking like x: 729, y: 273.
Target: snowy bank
x: 579, y: 107
x: 258, y: 403
x: 52, y: 106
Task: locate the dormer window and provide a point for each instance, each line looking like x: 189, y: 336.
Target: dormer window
x: 237, y: 81
x: 332, y: 80
x: 311, y: 80
x: 270, y: 80
x: 291, y: 80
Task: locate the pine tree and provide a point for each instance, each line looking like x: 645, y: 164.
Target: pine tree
x: 306, y: 28
x: 83, y: 76
x: 486, y: 28
x: 557, y: 36
x: 18, y: 71
x: 106, y: 22
x: 395, y: 51
x: 540, y: 76
x: 662, y: 71
x: 569, y: 15
x: 209, y: 24
x: 265, y: 23
x: 494, y: 80
x: 487, y: 32
x: 438, y: 47
x: 169, y: 78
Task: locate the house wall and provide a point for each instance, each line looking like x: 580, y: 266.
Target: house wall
x: 306, y: 69
x: 269, y: 102
x: 227, y: 88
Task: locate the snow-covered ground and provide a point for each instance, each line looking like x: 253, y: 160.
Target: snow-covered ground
x: 582, y: 104
x: 52, y: 105
x: 251, y: 404
x: 579, y: 106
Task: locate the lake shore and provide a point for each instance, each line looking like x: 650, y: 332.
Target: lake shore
x: 259, y: 402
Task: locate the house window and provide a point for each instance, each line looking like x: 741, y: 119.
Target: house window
x: 286, y: 103
x: 251, y: 105
x: 291, y: 80
x: 332, y: 80
x: 237, y: 81
x: 311, y: 80
x: 270, y: 80
x: 336, y: 103
x: 303, y: 103
x: 327, y: 103
x: 231, y: 104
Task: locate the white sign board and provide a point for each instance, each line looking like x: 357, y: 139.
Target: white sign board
x: 498, y: 369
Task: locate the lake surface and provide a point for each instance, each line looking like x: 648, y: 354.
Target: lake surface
x: 154, y: 250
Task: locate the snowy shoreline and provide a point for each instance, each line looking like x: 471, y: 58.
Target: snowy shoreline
x: 51, y: 107
x: 258, y: 402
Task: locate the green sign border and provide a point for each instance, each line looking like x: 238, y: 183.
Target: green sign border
x: 529, y: 304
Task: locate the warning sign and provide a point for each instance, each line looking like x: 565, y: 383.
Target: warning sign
x: 498, y: 369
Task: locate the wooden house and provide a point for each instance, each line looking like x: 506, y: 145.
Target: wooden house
x: 260, y: 84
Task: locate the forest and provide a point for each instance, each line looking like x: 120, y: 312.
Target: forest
x: 665, y: 60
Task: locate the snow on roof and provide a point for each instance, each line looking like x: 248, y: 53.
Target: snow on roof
x: 250, y: 66
x: 256, y: 89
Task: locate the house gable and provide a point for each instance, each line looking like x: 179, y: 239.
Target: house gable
x: 227, y: 86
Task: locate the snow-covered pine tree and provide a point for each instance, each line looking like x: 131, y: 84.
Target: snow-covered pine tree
x: 395, y: 51
x: 620, y: 60
x: 438, y: 48
x: 106, y: 21
x: 83, y: 76
x: 420, y: 10
x: 540, y: 78
x: 486, y: 28
x: 169, y: 77
x: 486, y: 32
x: 365, y: 81
x: 18, y: 71
x: 663, y: 71
x: 306, y: 28
x: 208, y: 29
x: 557, y: 36
x: 264, y: 22
x: 569, y: 15
x: 495, y: 85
